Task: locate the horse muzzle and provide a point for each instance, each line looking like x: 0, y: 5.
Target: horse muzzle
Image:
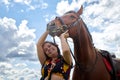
x: 56, y: 30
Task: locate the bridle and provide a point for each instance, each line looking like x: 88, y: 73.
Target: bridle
x: 57, y: 30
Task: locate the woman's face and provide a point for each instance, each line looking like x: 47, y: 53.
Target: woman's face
x: 50, y: 50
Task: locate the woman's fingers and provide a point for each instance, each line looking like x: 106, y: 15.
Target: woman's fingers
x: 66, y: 34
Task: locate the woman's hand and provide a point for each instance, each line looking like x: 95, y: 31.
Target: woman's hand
x: 47, y: 31
x: 64, y: 35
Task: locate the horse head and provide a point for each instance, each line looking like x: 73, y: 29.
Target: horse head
x: 66, y: 22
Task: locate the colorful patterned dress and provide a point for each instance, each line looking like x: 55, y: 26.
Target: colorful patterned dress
x: 60, y: 67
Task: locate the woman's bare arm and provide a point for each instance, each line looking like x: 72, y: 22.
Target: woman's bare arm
x: 65, y: 48
x: 40, y: 51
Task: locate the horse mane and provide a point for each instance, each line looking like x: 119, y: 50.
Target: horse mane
x: 87, y: 30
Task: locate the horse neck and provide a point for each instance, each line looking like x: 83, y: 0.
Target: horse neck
x: 83, y: 46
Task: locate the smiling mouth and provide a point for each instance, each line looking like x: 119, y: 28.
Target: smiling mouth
x: 50, y: 52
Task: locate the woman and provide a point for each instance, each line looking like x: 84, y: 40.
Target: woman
x: 54, y: 65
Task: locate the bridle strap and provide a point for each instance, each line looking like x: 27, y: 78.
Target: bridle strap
x: 70, y: 25
x: 54, y: 40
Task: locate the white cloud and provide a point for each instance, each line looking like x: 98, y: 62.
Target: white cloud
x: 44, y: 5
x: 6, y: 2
x: 16, y: 41
x: 20, y: 65
x: 18, y: 72
x: 106, y: 22
x: 64, y: 6
x: 28, y: 4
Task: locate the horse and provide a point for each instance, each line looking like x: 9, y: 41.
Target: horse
x: 89, y: 62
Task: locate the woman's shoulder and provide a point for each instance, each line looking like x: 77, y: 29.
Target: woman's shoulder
x: 63, y: 60
x: 65, y: 63
x: 47, y: 61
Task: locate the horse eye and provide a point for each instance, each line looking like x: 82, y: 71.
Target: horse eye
x: 56, y: 17
x: 72, y: 17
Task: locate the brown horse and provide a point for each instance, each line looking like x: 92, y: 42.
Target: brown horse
x: 89, y: 63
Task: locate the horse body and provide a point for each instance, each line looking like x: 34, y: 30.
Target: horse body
x: 89, y: 63
x: 98, y: 73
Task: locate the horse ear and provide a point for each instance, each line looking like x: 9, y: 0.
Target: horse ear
x: 79, y: 12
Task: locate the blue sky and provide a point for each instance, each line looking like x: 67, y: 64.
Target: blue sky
x: 22, y: 22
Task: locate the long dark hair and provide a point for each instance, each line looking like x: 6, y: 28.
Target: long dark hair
x: 54, y: 44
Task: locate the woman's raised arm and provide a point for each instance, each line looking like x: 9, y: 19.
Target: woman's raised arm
x: 40, y: 51
x: 65, y: 48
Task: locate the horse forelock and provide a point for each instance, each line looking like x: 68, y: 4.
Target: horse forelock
x: 72, y: 12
